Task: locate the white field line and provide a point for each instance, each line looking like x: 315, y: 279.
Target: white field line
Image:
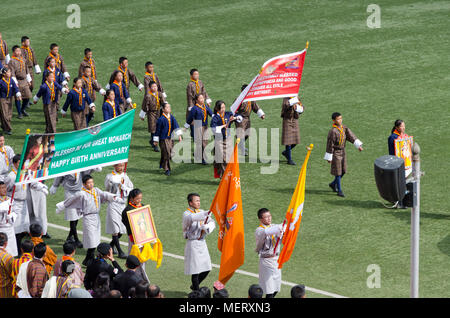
x: 314, y: 290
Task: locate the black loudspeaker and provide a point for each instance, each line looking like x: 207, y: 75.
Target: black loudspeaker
x: 390, y: 177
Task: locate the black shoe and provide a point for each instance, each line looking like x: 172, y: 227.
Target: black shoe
x: 204, y: 162
x: 284, y: 154
x: 333, y: 187
x: 25, y: 113
x: 20, y: 116
x: 341, y: 194
x: 155, y: 148
x: 114, y: 249
x: 47, y: 236
x: 167, y: 173
x: 122, y: 255
x: 70, y: 239
x: 290, y: 162
x: 78, y: 244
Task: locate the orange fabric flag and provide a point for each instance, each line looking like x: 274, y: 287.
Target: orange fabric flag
x: 227, y: 208
x: 294, y: 215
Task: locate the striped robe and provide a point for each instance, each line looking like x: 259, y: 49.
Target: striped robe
x: 6, y: 278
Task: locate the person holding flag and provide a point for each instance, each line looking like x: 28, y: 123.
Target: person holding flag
x: 266, y: 236
x: 196, y: 225
x: 291, y: 110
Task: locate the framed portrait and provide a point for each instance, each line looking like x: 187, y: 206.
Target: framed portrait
x: 142, y: 225
x: 403, y: 149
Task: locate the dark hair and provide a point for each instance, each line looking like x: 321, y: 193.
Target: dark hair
x: 221, y: 293
x: 53, y: 45
x: 255, y: 291
x: 39, y: 250
x: 191, y: 196
x: 109, y: 92
x: 243, y: 87
x: 335, y: 115
x: 76, y: 79
x: 151, y: 83
x: 121, y: 59
x: 69, y: 248
x: 35, y: 230
x: 86, y: 178
x: 1, y: 182
x: 24, y: 38
x: 192, y: 71
x: 153, y: 291
x: 198, y: 95
x: 261, y: 212
x: 101, y: 285
x: 113, y: 77
x: 67, y: 267
x: 49, y: 73
x: 16, y: 158
x: 195, y: 294
x: 164, y: 105
x: 3, y: 238
x: 148, y: 63
x: 298, y: 291
x: 218, y: 105
x: 114, y: 293
x: 206, y: 292
x: 87, y: 50
x: 27, y: 246
x: 133, y: 193
x: 15, y: 47
x: 139, y: 291
x: 86, y: 67
x: 397, y: 124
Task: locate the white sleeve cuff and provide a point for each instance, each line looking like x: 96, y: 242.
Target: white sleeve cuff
x: 29, y: 78
x: 91, y: 105
x: 142, y: 114
x: 102, y: 91
x: 178, y: 132
x: 8, y: 58
x: 66, y: 74
x: 140, y: 86
x: 107, y: 86
x: 18, y: 95
x: 299, y: 109
x: 60, y: 207
x: 164, y: 95
x: 156, y: 138
x: 186, y: 125
x: 64, y: 83
x: 35, y: 98
x: 65, y: 90
x: 63, y: 112
x: 129, y: 100
x: 37, y: 69
x: 328, y: 156
x: 209, y: 100
x: 293, y: 101
x: 219, y: 129
x: 189, y: 108
x: 260, y: 113
x: 357, y: 143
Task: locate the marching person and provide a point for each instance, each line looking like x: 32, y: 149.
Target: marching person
x: 91, y: 85
x: 291, y: 110
x: 128, y: 75
x: 266, y: 236
x: 197, y: 120
x: 88, y: 203
x: 151, y: 107
x: 197, y: 261
x: 77, y: 99
x: 220, y: 123
x: 50, y: 93
x: 37, y: 205
x: 6, y: 158
x: 121, y: 94
x: 88, y: 60
x: 59, y: 76
x: 8, y: 90
x: 30, y: 58
x: 54, y: 53
x: 20, y: 75
x: 4, y: 55
x: 117, y: 182
x: 165, y: 127
x: 110, y: 109
x: 151, y: 76
x: 193, y: 89
x: 7, y: 221
x: 243, y: 124
x: 335, y: 152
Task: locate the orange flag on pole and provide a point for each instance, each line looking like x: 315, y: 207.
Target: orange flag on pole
x: 227, y: 208
x: 294, y: 214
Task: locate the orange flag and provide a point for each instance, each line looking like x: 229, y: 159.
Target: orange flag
x: 227, y: 208
x: 294, y: 214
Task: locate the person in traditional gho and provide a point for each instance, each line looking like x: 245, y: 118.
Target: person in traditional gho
x: 266, y: 236
x: 77, y: 99
x: 243, y: 125
x: 7, y: 221
x: 151, y: 107
x: 72, y: 184
x: 91, y: 85
x: 6, y: 158
x: 122, y: 97
x: 69, y: 250
x: 30, y: 58
x: 110, y: 109
x: 37, y: 205
x: 165, y: 127
x: 128, y: 75
x: 50, y: 93
x: 20, y: 75
x: 54, y: 53
x: 151, y: 76
x: 335, y: 152
x: 88, y: 60
x: 220, y: 123
x: 88, y: 203
x: 4, y: 55
x: 8, y: 90
x: 118, y: 183
x: 199, y: 114
x: 291, y: 109
x: 193, y: 89
x: 19, y: 206
x: 58, y: 286
x: 134, y: 202
x: 33, y: 275
x: 196, y: 226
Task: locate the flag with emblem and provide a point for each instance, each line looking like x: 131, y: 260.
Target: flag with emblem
x: 227, y: 209
x: 294, y: 215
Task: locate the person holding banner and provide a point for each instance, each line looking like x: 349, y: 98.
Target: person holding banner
x: 6, y: 157
x: 165, y: 127
x: 118, y: 183
x: 151, y: 107
x: 193, y: 89
x: 77, y: 99
x: 7, y: 221
x: 120, y: 91
x: 8, y: 89
x: 88, y: 204
x: 50, y: 93
x: 220, y: 123
x: 335, y: 152
x: 197, y: 120
x: 291, y: 109
x: 196, y: 225
x: 37, y: 205
x: 266, y: 236
x: 110, y: 109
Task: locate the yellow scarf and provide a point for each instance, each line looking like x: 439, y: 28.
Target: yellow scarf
x: 341, y: 134
x: 80, y: 95
x: 223, y: 122
x: 52, y: 90
x: 152, y: 75
x: 203, y: 108
x: 168, y: 120
x: 158, y: 105
x: 197, y: 85
x: 125, y: 75
x: 120, y: 88
x: 91, y: 63
x: 7, y: 83
x: 93, y: 193
x: 1, y: 46
x: 113, y: 106
x: 15, y: 171
x: 89, y: 82
x: 148, y: 253
x: 30, y: 53
x: 58, y: 61
x: 6, y: 156
x: 22, y: 63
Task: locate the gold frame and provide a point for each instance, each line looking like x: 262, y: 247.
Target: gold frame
x: 134, y: 217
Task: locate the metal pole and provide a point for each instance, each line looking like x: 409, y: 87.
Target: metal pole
x: 415, y: 223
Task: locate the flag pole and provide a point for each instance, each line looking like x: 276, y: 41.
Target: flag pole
x: 309, y: 148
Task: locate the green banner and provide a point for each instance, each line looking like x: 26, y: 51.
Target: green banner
x: 51, y: 155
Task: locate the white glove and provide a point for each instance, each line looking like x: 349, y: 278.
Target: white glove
x: 66, y: 74
x: 98, y: 169
x: 63, y: 112
x: 29, y: 78
x: 129, y: 100
x: 140, y: 87
x: 18, y: 95
x: 35, y: 99
x: 60, y: 207
x: 299, y: 109
x: 8, y: 58
x: 53, y: 189
x: 64, y: 83
x: 65, y: 90
x: 11, y: 217
x: 107, y: 86
x: 91, y: 105
x: 239, y: 118
x: 142, y: 114
x: 102, y: 92
x: 208, y: 101
x: 37, y: 69
x: 45, y: 191
x: 164, y: 95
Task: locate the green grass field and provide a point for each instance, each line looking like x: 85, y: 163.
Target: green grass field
x: 371, y: 76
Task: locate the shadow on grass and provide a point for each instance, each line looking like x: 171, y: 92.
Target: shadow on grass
x: 363, y: 204
x: 174, y: 294
x: 405, y: 215
x: 444, y: 245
